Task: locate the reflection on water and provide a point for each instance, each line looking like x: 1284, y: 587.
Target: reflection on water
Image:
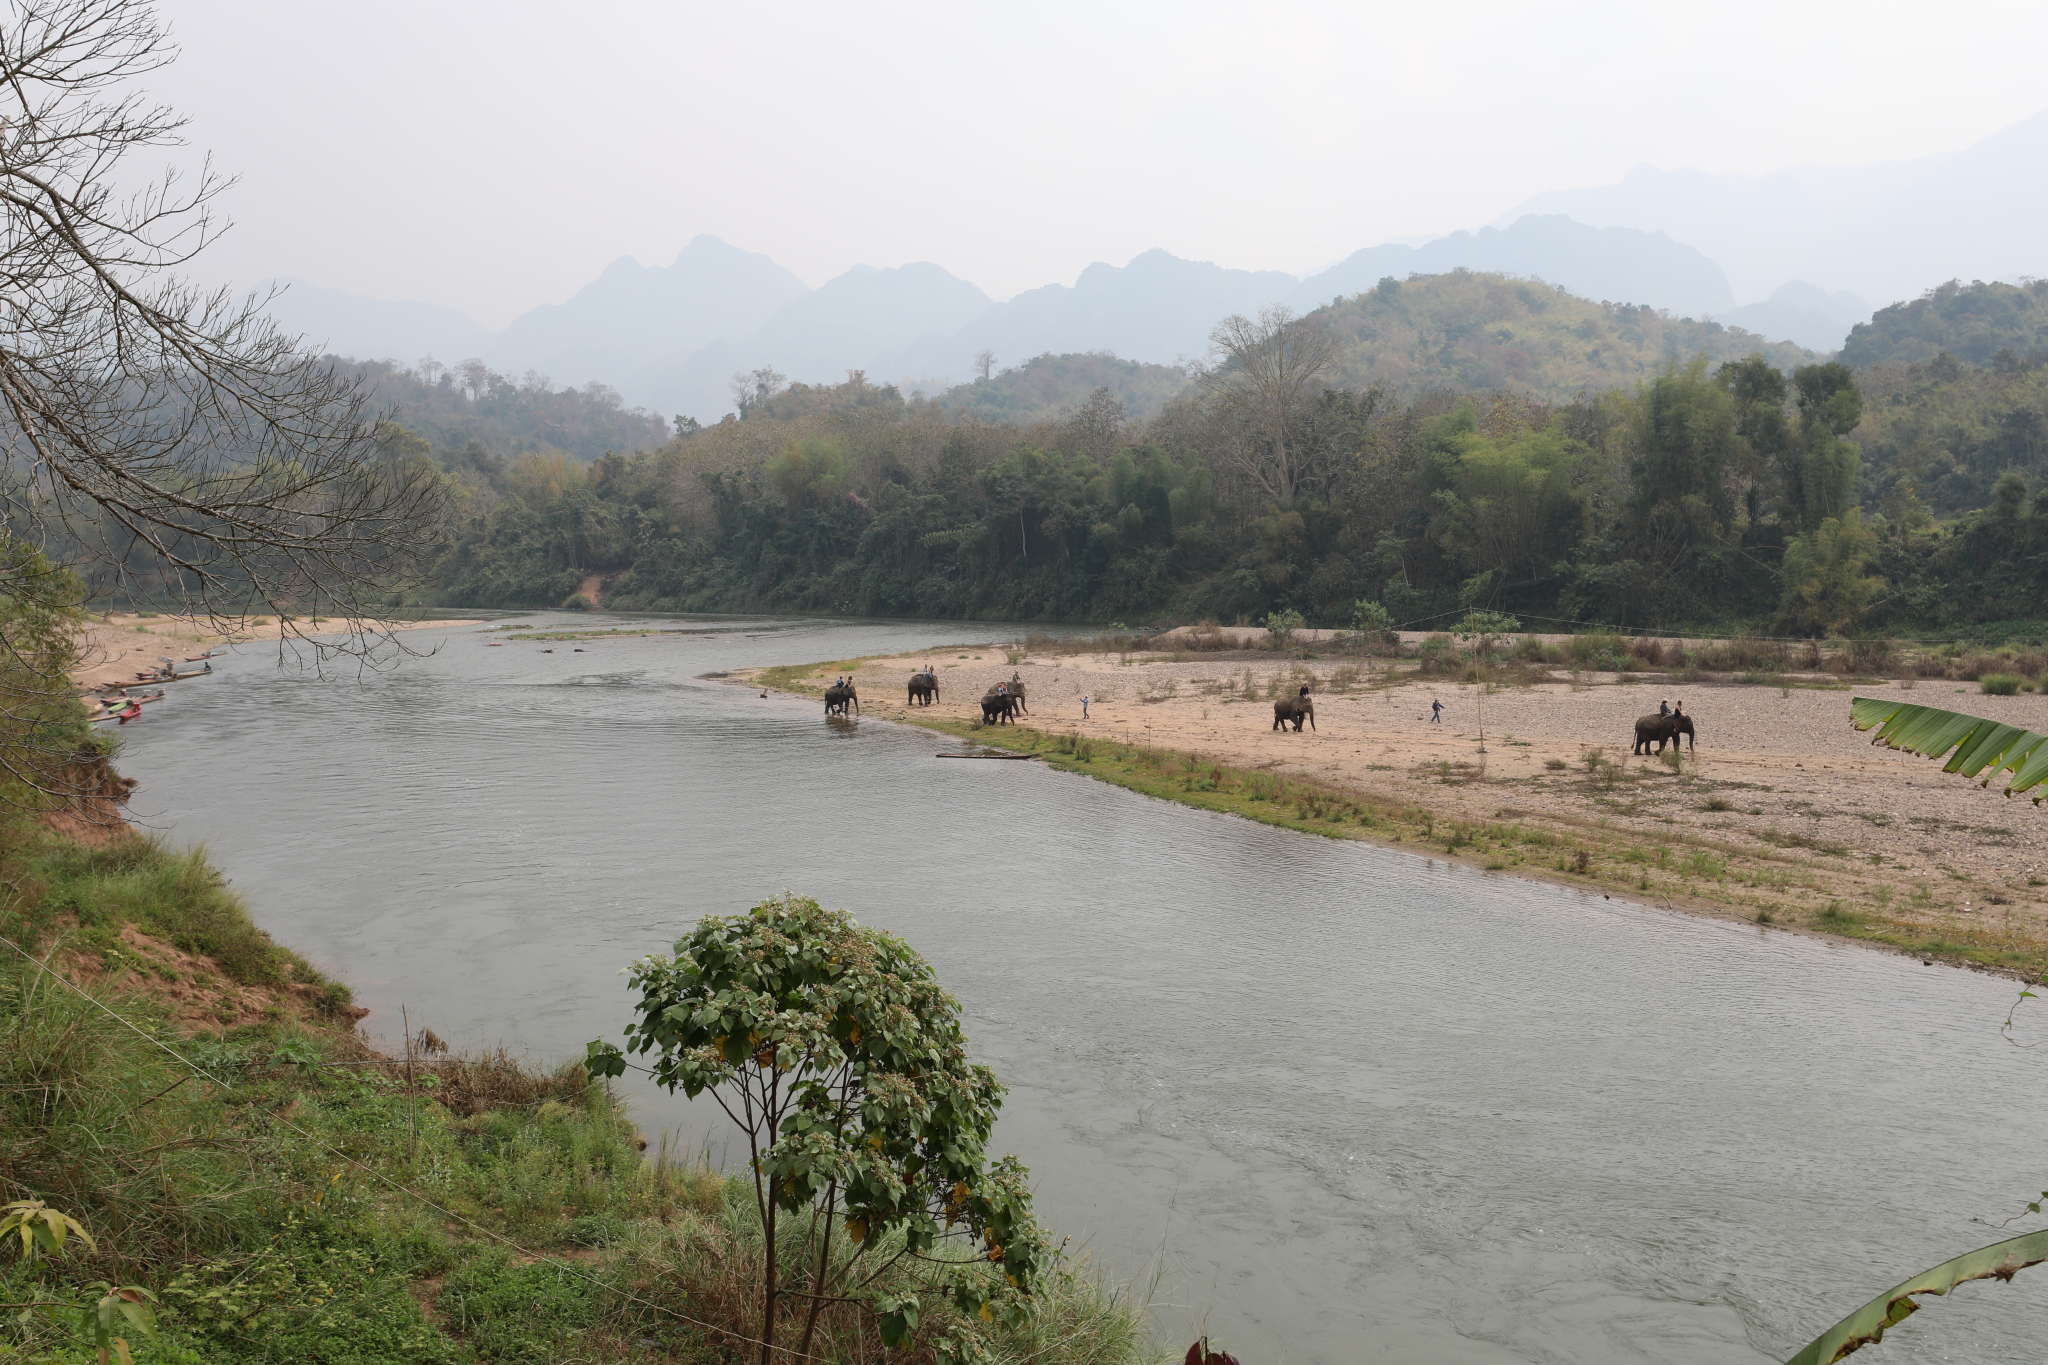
x: 1355, y: 1105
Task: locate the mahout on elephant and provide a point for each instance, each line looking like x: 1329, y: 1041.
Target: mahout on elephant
x: 1663, y: 730
x: 1296, y: 709
x: 997, y: 708
x: 841, y: 697
x: 924, y: 689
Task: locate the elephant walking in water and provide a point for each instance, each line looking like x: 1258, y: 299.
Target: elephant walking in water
x: 924, y: 689
x: 1663, y: 730
x: 997, y: 708
x: 1296, y: 709
x: 840, y: 699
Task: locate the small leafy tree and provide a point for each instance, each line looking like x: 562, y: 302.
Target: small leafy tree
x: 1484, y: 631
x: 833, y: 1048
x: 1373, y: 622
x: 1281, y: 626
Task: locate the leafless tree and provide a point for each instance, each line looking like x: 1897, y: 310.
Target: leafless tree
x: 475, y: 377
x: 751, y: 389
x: 156, y: 438
x: 431, y: 370
x: 985, y: 362
x: 159, y: 436
x: 1264, y: 367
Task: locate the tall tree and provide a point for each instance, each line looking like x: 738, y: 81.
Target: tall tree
x: 1830, y: 407
x: 1265, y: 367
x: 1759, y: 391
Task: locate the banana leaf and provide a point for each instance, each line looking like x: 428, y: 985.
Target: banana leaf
x: 1867, y: 1324
x: 1982, y: 746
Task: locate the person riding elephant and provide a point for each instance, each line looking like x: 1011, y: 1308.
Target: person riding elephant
x: 1664, y: 730
x: 841, y: 697
x: 1296, y: 709
x: 997, y: 707
x: 924, y: 689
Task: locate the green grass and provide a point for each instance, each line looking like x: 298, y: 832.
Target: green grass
x: 274, y: 1240
x: 2000, y: 684
x: 586, y: 634
x: 176, y: 896
x: 290, y: 1203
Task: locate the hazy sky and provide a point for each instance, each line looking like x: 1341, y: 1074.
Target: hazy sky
x: 493, y: 156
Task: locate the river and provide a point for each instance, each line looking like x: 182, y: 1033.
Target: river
x: 1327, y: 1102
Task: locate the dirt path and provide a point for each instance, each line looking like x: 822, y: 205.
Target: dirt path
x: 1785, y: 813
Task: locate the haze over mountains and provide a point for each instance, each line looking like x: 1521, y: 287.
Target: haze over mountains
x: 1800, y: 255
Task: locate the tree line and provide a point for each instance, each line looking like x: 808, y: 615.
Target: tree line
x: 1721, y: 495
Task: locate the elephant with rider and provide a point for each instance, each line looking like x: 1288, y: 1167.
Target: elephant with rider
x: 1662, y: 730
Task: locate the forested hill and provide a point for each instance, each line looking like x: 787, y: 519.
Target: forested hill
x: 1717, y: 488
x: 1471, y: 331
x: 471, y: 405
x: 1462, y: 330
x: 1973, y: 322
x: 1048, y: 387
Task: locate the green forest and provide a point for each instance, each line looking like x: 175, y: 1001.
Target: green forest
x: 1429, y: 446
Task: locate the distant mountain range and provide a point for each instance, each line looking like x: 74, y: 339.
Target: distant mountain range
x: 672, y: 337
x: 1882, y: 232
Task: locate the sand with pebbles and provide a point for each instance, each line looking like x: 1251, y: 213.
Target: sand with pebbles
x: 1778, y: 771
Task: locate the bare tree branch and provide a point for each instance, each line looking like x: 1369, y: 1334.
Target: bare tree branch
x: 1264, y: 367
x: 167, y: 441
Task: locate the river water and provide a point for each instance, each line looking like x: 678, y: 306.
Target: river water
x: 1327, y: 1102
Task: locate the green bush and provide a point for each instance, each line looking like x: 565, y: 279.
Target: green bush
x: 2000, y: 684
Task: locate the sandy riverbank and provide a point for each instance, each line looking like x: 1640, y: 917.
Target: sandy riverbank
x: 121, y: 644
x: 1786, y: 814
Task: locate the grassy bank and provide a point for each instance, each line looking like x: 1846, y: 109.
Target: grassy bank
x: 288, y: 1195
x: 1790, y: 882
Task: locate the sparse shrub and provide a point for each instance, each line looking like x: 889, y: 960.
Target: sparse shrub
x: 2000, y: 684
x: 1655, y: 653
x: 1717, y: 803
x: 1282, y: 625
x: 1556, y: 765
x: 1872, y: 654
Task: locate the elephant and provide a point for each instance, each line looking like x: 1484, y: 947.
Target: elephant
x: 1663, y: 729
x: 838, y: 700
x: 997, y: 708
x: 1017, y: 698
x: 924, y: 689
x: 1296, y: 709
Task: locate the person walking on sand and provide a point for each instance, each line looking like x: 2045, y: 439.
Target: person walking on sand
x: 1436, y: 711
x: 1084, y: 708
